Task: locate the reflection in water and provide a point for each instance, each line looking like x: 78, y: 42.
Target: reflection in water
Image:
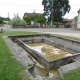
x: 44, y: 72
x: 49, y: 51
x: 37, y: 48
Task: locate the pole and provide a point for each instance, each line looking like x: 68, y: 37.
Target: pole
x: 52, y: 15
x: 34, y: 17
x: 8, y: 14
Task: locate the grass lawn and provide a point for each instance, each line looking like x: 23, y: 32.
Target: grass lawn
x: 69, y: 37
x: 73, y: 75
x: 10, y: 69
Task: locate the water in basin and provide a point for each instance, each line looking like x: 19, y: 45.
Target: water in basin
x: 49, y: 51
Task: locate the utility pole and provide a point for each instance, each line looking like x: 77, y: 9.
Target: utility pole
x: 17, y: 15
x: 14, y: 15
x: 34, y: 17
x: 8, y: 14
x: 52, y: 15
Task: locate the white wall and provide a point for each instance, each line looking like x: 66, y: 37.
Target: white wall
x: 78, y: 22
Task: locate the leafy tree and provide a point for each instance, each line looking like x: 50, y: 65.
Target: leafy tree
x: 5, y: 19
x: 75, y: 18
x: 1, y: 21
x: 27, y: 19
x: 40, y: 18
x: 59, y: 9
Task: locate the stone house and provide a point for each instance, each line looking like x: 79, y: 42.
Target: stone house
x: 67, y: 23
x: 30, y: 15
x: 74, y: 24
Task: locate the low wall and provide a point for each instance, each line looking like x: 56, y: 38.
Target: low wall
x: 54, y: 26
x: 67, y: 44
x: 68, y: 67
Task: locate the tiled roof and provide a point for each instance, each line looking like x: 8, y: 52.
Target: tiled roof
x: 31, y: 14
x: 68, y: 20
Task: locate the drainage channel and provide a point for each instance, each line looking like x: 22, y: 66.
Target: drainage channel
x: 39, y: 69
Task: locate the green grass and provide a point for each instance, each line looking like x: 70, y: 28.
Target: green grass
x: 10, y: 69
x: 18, y: 32
x: 69, y: 37
x: 73, y: 75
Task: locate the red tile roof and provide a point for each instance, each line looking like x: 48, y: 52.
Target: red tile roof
x: 31, y: 14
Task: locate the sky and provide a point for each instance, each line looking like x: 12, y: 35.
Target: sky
x: 14, y: 7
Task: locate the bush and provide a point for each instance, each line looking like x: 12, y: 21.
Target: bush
x: 17, y: 22
x: 55, y: 23
x: 22, y: 23
x: 1, y: 21
x: 27, y: 19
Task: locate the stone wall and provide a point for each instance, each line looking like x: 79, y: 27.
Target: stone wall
x: 54, y: 26
x: 67, y: 44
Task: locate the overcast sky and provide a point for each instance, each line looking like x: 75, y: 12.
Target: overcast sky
x: 22, y: 6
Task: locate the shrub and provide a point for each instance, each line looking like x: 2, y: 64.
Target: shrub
x: 17, y: 22
x: 22, y: 23
x: 56, y: 23
x: 1, y: 21
x: 27, y: 19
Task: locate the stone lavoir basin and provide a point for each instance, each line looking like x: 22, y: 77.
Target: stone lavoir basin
x: 51, y: 53
x: 45, y: 51
x: 48, y: 51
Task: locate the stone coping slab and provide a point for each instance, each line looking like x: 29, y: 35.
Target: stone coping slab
x: 68, y: 67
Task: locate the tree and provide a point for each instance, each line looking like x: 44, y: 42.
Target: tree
x: 27, y: 19
x: 5, y: 19
x: 1, y: 21
x: 59, y: 9
x: 75, y: 18
x: 39, y: 18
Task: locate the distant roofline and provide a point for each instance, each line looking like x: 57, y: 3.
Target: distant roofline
x: 33, y: 12
x: 68, y: 20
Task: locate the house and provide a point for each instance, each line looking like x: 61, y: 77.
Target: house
x: 30, y: 15
x: 74, y: 24
x: 67, y: 23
